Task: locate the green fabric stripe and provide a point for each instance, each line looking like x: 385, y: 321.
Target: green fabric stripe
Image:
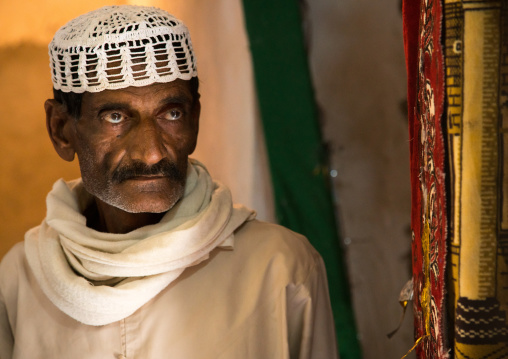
x: 297, y: 156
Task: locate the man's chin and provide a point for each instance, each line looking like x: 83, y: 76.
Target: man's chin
x: 139, y: 201
x: 145, y: 209
x: 145, y: 202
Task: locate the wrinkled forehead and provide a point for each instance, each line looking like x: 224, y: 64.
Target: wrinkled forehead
x: 121, y: 46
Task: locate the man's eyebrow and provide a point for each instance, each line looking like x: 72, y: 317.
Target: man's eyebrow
x: 110, y: 106
x: 177, y: 99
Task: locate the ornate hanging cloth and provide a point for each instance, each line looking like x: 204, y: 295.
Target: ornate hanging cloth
x: 425, y: 66
x: 474, y: 117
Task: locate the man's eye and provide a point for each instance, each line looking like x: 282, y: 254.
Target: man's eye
x: 113, y: 117
x: 173, y: 114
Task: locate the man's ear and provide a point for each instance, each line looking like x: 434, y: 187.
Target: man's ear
x: 196, y: 112
x: 59, y: 125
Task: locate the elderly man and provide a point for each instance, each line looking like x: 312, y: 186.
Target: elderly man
x: 145, y: 256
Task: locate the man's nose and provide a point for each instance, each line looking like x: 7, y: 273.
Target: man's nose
x: 146, y: 143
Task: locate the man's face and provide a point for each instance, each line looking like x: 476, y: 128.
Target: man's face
x: 133, y: 145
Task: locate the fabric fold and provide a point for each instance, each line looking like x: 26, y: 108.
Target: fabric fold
x: 98, y: 278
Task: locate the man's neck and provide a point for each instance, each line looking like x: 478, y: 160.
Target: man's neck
x: 105, y: 218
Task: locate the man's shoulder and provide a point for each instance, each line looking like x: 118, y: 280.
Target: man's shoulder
x: 270, y: 245
x: 14, y: 258
x: 13, y: 265
x: 261, y: 233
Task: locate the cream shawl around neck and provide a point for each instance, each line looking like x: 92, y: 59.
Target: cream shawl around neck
x: 99, y: 278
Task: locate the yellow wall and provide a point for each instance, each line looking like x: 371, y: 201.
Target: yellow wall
x: 28, y: 162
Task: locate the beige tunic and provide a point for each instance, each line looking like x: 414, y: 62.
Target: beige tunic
x: 266, y: 298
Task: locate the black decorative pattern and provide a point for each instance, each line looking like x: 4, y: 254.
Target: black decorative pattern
x: 480, y: 322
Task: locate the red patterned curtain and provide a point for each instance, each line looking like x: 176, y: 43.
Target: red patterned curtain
x: 457, y: 63
x: 422, y: 33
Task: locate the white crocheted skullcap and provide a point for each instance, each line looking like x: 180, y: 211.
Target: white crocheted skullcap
x: 120, y: 46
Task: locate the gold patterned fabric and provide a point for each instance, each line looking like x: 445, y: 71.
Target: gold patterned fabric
x: 476, y: 63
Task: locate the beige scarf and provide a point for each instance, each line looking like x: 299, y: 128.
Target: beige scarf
x: 118, y: 273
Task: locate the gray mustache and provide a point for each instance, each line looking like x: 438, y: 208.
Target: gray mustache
x: 164, y: 168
